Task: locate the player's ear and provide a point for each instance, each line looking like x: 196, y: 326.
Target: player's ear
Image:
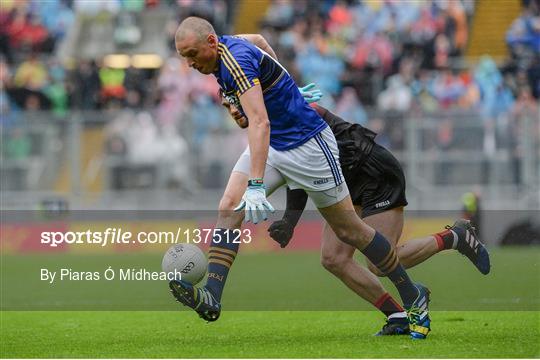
x: 212, y: 40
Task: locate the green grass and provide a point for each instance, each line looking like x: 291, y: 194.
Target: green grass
x: 260, y: 334
x: 474, y: 315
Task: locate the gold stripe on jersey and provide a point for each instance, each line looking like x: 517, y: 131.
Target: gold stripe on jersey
x: 235, y: 65
x: 235, y: 75
x: 235, y: 69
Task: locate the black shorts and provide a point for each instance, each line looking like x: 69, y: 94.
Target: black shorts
x: 379, y: 184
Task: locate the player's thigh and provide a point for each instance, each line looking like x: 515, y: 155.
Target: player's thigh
x: 272, y: 177
x: 389, y: 223
x: 236, y: 186
x: 238, y: 181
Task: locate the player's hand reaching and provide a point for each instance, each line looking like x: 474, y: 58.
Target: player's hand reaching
x: 254, y: 202
x: 281, y: 231
x: 310, y: 93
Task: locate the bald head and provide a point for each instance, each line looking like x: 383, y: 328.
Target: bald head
x: 194, y: 26
x: 197, y: 42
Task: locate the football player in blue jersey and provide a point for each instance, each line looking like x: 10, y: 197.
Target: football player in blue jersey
x: 289, y: 143
x: 377, y: 184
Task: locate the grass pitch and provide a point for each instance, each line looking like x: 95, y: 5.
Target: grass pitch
x: 263, y: 334
x: 473, y: 315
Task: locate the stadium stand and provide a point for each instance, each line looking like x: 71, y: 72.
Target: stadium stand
x: 409, y: 70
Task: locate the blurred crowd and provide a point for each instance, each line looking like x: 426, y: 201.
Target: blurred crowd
x: 350, y: 41
x: 164, y: 116
x: 34, y: 79
x: 396, y: 55
x: 33, y: 26
x: 375, y: 61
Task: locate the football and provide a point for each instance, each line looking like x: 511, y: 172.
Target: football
x: 187, y: 260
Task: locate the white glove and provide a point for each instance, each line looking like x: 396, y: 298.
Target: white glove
x: 254, y: 201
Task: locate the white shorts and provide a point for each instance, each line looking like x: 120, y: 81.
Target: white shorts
x: 312, y: 166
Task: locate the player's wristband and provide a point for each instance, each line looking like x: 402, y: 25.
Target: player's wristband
x: 255, y: 183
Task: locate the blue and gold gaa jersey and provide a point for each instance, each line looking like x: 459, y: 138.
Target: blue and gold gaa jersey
x: 241, y: 66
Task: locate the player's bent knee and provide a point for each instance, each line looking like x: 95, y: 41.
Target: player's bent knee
x: 334, y: 263
x: 227, y: 203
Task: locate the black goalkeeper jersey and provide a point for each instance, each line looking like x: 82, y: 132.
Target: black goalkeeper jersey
x: 373, y: 175
x: 345, y: 131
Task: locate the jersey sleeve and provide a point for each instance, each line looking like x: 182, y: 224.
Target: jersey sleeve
x: 242, y: 67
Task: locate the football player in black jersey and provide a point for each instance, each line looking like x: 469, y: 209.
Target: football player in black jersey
x: 377, y: 186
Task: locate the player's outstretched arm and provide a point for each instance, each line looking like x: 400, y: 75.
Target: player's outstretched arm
x: 283, y: 230
x: 254, y: 201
